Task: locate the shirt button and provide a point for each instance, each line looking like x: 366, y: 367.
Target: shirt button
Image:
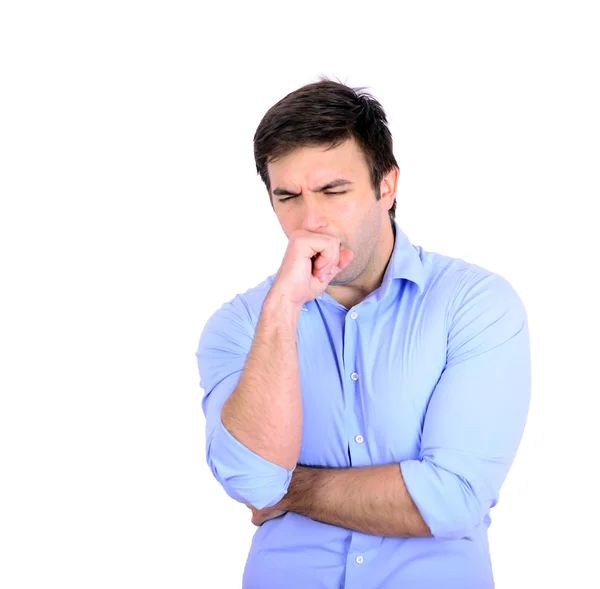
x: 359, y: 560
x: 359, y: 439
x: 353, y: 315
x: 354, y: 376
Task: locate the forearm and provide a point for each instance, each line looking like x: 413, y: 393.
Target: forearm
x: 372, y: 500
x: 264, y: 412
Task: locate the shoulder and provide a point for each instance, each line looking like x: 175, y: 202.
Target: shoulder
x: 453, y: 275
x: 463, y: 286
x: 242, y: 311
x: 446, y: 272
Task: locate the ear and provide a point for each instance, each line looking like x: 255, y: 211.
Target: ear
x: 388, y: 186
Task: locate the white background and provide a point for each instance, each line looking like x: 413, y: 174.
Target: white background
x: 131, y: 210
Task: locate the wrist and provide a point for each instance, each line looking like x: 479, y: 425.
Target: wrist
x: 299, y: 496
x: 279, y: 305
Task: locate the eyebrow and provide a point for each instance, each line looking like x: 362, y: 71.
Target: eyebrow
x: 279, y: 191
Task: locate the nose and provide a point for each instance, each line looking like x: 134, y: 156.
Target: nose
x: 313, y: 217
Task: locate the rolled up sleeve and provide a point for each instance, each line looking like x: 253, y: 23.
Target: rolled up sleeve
x: 477, y: 412
x: 221, y: 355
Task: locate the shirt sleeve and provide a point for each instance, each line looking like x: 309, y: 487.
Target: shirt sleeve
x: 477, y: 412
x: 222, y: 351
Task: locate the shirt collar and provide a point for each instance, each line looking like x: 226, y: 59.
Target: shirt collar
x: 405, y: 263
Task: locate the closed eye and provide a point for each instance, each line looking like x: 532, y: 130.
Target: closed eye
x: 328, y: 193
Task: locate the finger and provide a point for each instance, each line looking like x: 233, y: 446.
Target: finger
x: 329, y: 255
x: 319, y: 262
x: 346, y: 256
x: 332, y: 256
x: 333, y: 253
x: 323, y: 249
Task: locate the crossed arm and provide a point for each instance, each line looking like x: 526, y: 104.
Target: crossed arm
x: 470, y: 434
x: 373, y: 500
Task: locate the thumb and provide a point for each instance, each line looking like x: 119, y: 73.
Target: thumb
x: 346, y: 256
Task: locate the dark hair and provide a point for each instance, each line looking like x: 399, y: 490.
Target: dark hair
x: 326, y: 113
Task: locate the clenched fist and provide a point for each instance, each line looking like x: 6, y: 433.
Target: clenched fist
x: 310, y: 262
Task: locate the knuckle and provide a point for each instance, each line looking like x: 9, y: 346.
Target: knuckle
x: 297, y: 234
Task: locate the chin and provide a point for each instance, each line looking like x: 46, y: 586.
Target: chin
x: 342, y: 278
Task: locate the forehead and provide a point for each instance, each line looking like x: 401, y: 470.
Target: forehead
x: 314, y: 166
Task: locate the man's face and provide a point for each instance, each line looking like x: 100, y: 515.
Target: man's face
x: 329, y: 191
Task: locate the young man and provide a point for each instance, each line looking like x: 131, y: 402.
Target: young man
x: 367, y: 401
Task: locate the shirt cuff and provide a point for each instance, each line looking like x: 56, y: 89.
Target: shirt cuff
x: 444, y: 500
x: 245, y: 476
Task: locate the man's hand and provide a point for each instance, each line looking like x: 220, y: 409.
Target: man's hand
x: 310, y: 262
x: 259, y: 517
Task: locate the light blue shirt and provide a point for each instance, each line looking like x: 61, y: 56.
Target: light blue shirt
x: 430, y: 371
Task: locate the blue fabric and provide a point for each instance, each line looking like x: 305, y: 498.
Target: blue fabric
x: 441, y: 350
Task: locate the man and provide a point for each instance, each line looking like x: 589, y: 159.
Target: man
x: 367, y: 401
